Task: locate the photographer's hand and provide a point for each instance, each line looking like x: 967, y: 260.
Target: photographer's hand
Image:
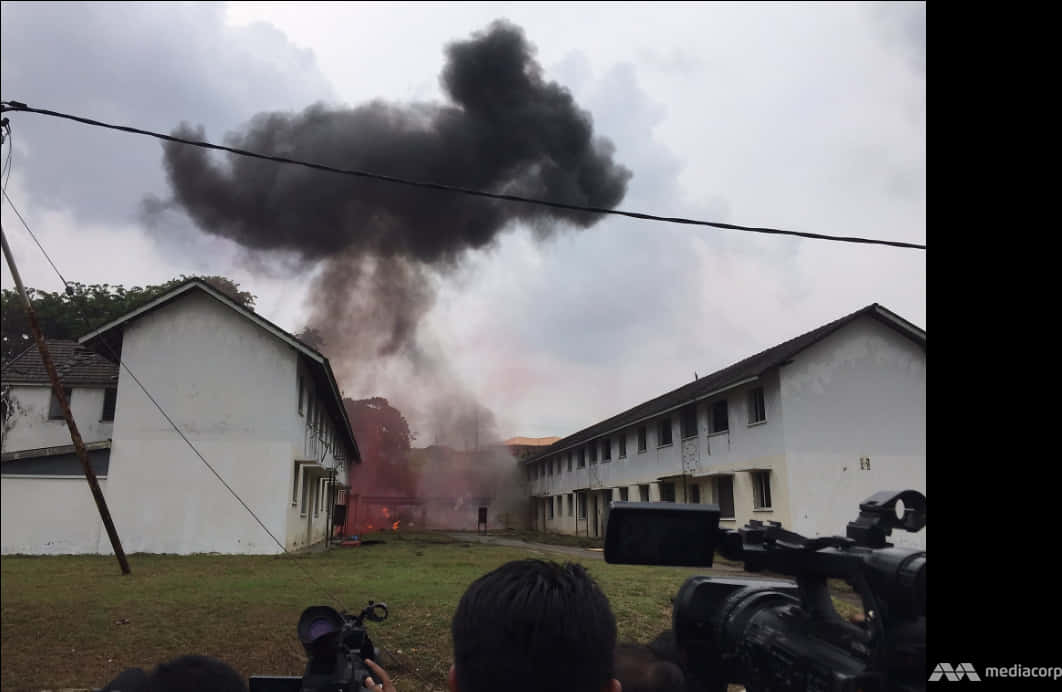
x: 379, y: 674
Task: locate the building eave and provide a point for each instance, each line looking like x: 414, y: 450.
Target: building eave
x: 300, y: 347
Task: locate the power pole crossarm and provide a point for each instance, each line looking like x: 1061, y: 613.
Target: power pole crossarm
x: 57, y: 390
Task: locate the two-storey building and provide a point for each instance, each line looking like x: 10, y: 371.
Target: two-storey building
x: 208, y: 391
x: 800, y: 433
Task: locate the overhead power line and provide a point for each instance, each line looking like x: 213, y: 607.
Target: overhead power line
x: 163, y: 412
x: 22, y: 107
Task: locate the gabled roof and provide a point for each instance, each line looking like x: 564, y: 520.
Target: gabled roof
x: 77, y: 366
x: 312, y: 354
x: 530, y: 441
x: 742, y: 372
x: 57, y: 461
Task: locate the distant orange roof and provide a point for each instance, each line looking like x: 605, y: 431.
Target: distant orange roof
x: 531, y: 441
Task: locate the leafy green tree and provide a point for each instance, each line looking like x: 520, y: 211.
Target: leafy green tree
x: 82, y: 308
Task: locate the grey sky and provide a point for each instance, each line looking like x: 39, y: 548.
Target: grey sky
x: 809, y: 117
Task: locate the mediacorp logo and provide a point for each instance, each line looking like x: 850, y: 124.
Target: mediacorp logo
x: 946, y: 672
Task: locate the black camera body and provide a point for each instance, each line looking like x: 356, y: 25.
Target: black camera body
x: 336, y: 645
x: 781, y: 635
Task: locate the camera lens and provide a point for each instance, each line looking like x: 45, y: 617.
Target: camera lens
x: 319, y: 628
x: 318, y: 622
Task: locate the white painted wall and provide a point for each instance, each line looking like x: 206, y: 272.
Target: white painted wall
x: 31, y: 428
x: 231, y: 387
x: 744, y: 445
x: 310, y: 438
x: 60, y: 516
x: 860, y: 392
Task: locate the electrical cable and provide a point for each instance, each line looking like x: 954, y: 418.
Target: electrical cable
x: 18, y: 106
x: 165, y: 415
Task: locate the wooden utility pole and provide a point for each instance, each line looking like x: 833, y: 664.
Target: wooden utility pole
x: 57, y: 389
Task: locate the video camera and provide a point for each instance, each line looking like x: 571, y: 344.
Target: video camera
x: 336, y: 644
x: 774, y: 634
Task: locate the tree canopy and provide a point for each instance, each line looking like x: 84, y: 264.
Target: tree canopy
x: 381, y: 430
x: 82, y: 308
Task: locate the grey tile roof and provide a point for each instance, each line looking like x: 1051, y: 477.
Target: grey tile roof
x: 77, y: 366
x: 753, y: 366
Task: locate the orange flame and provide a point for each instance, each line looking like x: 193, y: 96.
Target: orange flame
x: 369, y: 527
x: 394, y: 526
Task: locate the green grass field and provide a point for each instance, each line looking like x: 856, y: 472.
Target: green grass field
x: 75, y: 622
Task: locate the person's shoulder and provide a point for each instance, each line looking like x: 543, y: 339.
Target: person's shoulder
x: 129, y: 680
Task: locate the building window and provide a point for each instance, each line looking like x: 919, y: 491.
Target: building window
x: 110, y: 398
x: 720, y: 418
x: 643, y: 493
x: 55, y: 410
x: 593, y: 452
x: 761, y: 489
x: 642, y: 439
x: 623, y: 446
x: 667, y: 492
x: 724, y: 496
x: 625, y: 494
x: 295, y: 485
x: 695, y: 494
x: 549, y: 467
x: 302, y: 393
x: 580, y: 500
x: 569, y: 464
x: 757, y: 406
x: 606, y: 449
x: 549, y: 507
x: 664, y: 433
x: 569, y: 504
x: 688, y: 421
x: 305, y: 496
x: 582, y: 457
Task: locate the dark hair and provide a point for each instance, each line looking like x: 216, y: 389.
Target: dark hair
x: 534, y: 625
x: 640, y: 669
x: 195, y: 673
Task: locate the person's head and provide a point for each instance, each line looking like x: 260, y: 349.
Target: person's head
x: 640, y: 669
x: 534, y: 625
x: 194, y: 673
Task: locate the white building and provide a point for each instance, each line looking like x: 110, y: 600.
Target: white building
x: 31, y: 415
x: 800, y: 433
x: 261, y: 407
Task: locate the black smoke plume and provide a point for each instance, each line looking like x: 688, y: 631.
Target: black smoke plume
x: 505, y: 129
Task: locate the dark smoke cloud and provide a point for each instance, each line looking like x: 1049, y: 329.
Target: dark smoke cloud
x: 506, y: 130
x: 378, y: 246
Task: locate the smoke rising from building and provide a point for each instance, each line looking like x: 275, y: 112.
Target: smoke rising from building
x: 376, y: 247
